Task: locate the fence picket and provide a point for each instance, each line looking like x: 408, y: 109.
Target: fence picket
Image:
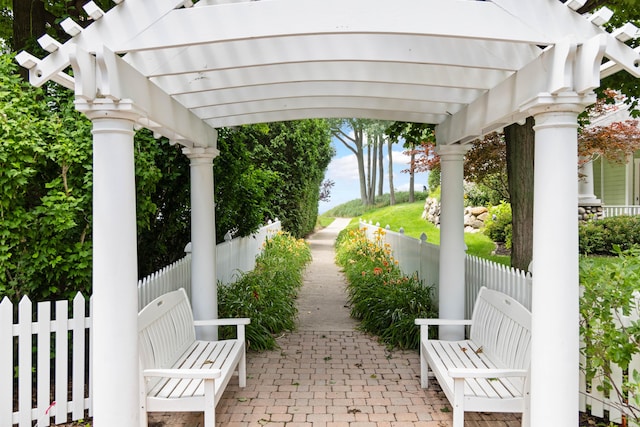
x: 78, y: 328
x: 25, y: 361
x: 44, y: 363
x: 6, y: 362
x: 62, y: 370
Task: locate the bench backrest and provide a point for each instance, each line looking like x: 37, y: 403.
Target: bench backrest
x: 165, y: 330
x: 502, y: 326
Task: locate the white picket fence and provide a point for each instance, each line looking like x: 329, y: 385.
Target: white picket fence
x: 28, y: 340
x: 415, y: 255
x: 618, y: 210
x: 233, y: 257
x: 32, y: 340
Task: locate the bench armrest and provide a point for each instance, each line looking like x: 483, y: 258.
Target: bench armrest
x: 207, y: 374
x: 486, y: 373
x: 222, y: 322
x: 438, y: 322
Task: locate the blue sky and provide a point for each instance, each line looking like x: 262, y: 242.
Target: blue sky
x: 343, y: 170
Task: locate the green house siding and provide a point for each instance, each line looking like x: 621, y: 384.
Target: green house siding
x: 611, y: 178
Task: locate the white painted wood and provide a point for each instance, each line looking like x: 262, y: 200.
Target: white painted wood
x: 204, y: 291
x: 555, y: 275
x: 60, y: 328
x: 489, y: 371
x: 181, y: 373
x: 115, y: 272
x: 24, y: 361
x: 452, y: 246
x: 78, y: 329
x: 43, y: 370
x: 446, y: 18
x: 361, y: 47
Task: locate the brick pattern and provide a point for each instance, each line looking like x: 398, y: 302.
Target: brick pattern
x: 333, y: 379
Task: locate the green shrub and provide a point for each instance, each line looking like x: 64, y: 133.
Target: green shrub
x: 267, y: 294
x: 498, y: 225
x: 599, y: 237
x: 610, y: 295
x: 384, y: 300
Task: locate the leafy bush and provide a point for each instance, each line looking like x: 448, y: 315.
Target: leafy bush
x: 600, y: 237
x: 498, y: 225
x: 610, y: 294
x: 267, y: 294
x: 384, y: 300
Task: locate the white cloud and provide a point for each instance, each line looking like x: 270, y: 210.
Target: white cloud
x: 343, y: 168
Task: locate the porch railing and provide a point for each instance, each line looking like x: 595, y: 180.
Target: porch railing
x: 516, y: 283
x: 51, y: 344
x: 618, y: 210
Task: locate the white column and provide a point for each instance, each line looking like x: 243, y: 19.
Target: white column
x: 451, y: 294
x: 204, y: 292
x: 555, y: 331
x: 115, y: 272
x: 586, y: 195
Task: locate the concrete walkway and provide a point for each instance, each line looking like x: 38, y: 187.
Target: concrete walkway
x: 329, y: 374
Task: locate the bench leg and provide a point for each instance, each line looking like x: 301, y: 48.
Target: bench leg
x: 242, y: 371
x: 458, y: 402
x: 424, y: 370
x: 209, y: 403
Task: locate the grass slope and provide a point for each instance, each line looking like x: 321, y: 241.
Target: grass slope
x: 409, y: 217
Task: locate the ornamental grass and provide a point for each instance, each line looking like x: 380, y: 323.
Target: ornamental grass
x: 381, y: 297
x: 267, y: 294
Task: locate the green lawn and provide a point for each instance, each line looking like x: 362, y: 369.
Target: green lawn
x: 409, y: 217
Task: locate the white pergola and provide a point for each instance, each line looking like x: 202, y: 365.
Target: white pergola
x: 469, y: 67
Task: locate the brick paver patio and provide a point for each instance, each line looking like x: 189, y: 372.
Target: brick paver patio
x: 333, y: 379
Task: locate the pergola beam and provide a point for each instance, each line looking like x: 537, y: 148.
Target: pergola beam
x: 324, y: 102
x: 121, y: 23
x: 502, y: 105
x: 559, y: 21
x: 274, y: 116
x: 380, y: 47
x: 350, y: 71
x: 114, y: 79
x: 444, y: 18
x: 412, y: 92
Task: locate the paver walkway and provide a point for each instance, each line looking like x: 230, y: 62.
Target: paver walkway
x: 328, y: 374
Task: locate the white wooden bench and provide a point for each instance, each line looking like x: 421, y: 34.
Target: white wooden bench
x: 489, y: 372
x: 178, y: 372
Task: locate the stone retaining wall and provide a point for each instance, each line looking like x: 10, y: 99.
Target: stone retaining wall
x: 473, y: 216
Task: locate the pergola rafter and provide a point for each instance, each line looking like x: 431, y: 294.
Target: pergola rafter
x: 469, y: 67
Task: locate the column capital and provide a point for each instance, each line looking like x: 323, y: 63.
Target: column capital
x: 452, y: 150
x: 562, y: 102
x: 109, y: 109
x: 203, y: 153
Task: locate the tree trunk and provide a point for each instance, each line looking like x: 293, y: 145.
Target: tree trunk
x: 412, y: 179
x: 28, y: 24
x: 392, y: 191
x: 360, y: 159
x: 380, y: 165
x: 520, y: 156
x: 373, y: 167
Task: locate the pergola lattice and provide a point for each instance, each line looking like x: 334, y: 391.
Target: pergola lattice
x: 470, y: 67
